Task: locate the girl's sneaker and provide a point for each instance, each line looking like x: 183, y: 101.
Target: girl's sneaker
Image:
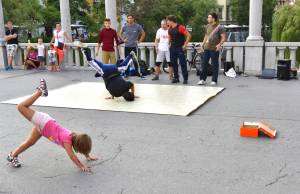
x: 14, y: 161
x: 43, y: 87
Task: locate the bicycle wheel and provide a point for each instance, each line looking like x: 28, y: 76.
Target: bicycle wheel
x: 189, y: 65
x: 197, y: 62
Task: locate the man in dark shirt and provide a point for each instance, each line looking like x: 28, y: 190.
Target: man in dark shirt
x: 11, y: 37
x: 107, y: 36
x: 212, y: 44
x: 114, y: 82
x: 179, y: 39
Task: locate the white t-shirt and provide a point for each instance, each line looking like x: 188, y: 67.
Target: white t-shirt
x: 52, y: 56
x: 59, y: 37
x: 163, y: 36
x: 41, y: 49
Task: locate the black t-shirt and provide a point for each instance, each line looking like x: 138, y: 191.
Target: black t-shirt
x: 13, y: 40
x: 117, y: 86
x: 177, y: 36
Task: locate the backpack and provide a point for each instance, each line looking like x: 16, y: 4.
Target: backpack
x: 144, y: 69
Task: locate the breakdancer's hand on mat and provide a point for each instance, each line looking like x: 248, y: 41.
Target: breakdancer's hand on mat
x: 109, y: 98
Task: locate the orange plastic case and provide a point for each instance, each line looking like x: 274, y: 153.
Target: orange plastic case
x: 251, y: 129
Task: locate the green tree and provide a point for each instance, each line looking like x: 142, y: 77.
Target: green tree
x: 240, y: 11
x: 286, y: 25
x: 23, y: 13
x: 240, y: 14
x: 192, y: 13
x: 51, y: 16
x: 199, y: 21
x: 90, y: 13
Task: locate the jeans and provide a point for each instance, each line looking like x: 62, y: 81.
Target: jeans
x: 110, y: 68
x: 214, y: 56
x: 178, y: 53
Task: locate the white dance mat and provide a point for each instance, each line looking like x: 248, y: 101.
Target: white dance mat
x: 156, y: 99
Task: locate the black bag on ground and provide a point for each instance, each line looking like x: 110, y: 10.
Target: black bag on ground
x: 228, y: 65
x: 268, y: 74
x: 144, y: 69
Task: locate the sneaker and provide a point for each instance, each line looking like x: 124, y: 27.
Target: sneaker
x: 7, y: 68
x: 155, y: 78
x: 43, y: 87
x: 87, y: 53
x: 14, y: 161
x: 133, y: 55
x: 174, y: 81
x: 213, y: 83
x: 185, y: 82
x: 11, y: 67
x: 201, y: 82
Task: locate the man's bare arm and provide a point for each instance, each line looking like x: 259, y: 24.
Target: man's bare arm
x: 188, y: 39
x: 143, y: 35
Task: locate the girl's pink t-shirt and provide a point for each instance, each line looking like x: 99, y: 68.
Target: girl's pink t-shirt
x: 57, y: 134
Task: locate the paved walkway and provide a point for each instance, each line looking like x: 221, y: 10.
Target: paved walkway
x: 147, y: 153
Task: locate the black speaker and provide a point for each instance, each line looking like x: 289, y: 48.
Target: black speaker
x: 284, y: 69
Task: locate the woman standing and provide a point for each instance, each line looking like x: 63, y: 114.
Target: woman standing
x: 58, y: 38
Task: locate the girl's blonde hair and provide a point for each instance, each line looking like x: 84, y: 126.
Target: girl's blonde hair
x: 82, y: 143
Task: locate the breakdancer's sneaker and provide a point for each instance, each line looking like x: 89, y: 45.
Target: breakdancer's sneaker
x: 43, y: 88
x: 87, y: 54
x: 134, y: 57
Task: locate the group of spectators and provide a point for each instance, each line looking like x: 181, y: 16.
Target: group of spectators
x: 35, y: 57
x: 171, y: 42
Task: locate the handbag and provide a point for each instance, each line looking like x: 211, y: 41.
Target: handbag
x: 60, y: 45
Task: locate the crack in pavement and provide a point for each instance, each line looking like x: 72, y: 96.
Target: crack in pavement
x: 276, y: 180
x: 50, y: 177
x: 5, y: 192
x: 120, y: 149
x: 248, y: 117
x: 103, y: 136
x: 4, y: 136
x: 213, y: 132
x: 284, y: 166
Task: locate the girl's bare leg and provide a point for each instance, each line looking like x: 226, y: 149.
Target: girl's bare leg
x: 31, y: 140
x: 24, y: 107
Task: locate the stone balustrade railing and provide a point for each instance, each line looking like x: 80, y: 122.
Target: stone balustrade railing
x: 234, y: 51
x: 146, y: 52
x: 273, y: 51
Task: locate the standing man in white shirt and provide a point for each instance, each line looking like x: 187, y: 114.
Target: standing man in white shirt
x: 162, y: 50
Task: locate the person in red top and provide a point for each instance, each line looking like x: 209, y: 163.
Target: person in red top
x: 107, y: 37
x: 179, y: 38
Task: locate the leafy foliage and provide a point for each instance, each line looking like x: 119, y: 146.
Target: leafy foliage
x: 286, y: 25
x: 192, y: 13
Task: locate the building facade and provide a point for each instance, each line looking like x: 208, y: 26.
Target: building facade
x: 224, y: 11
